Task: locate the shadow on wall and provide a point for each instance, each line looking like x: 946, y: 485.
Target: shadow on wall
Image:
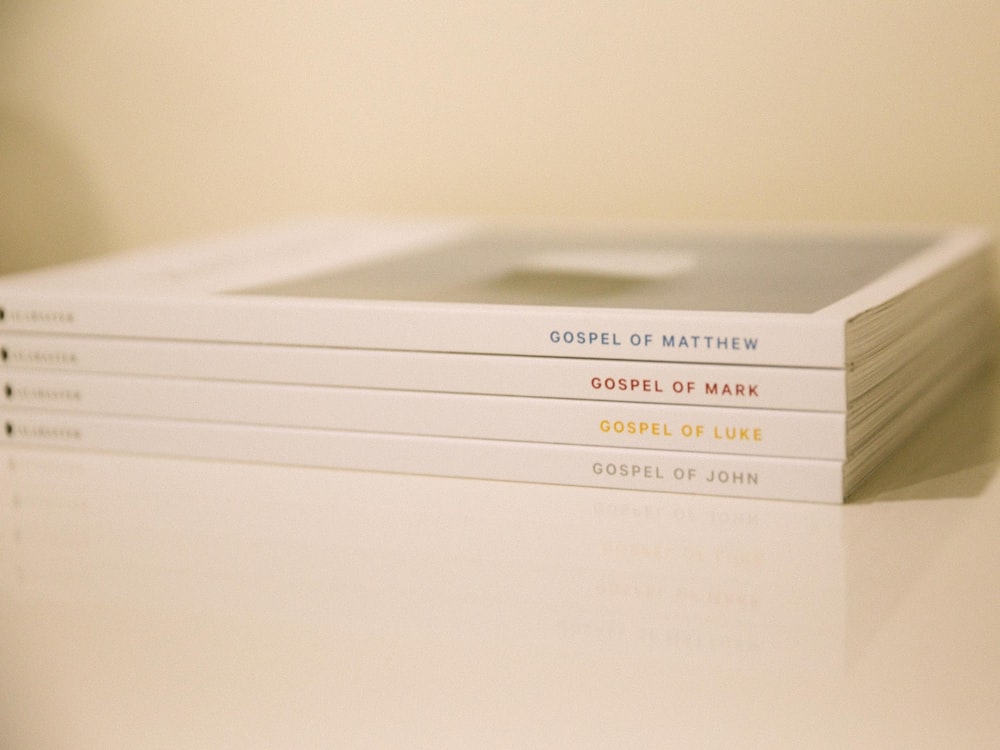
x: 48, y: 208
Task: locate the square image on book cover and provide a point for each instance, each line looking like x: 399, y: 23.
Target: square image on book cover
x: 782, y: 274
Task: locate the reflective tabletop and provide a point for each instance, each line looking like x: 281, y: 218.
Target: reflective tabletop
x: 149, y: 602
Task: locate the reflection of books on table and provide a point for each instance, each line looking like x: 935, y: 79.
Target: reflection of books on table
x: 701, y: 580
x: 818, y: 346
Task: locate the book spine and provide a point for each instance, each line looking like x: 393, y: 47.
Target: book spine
x: 653, y: 335
x: 813, y: 389
x: 612, y: 424
x: 585, y: 466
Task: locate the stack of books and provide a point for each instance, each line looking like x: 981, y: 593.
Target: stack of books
x: 770, y: 363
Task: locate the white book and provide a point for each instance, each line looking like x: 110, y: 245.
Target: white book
x: 814, y: 389
x: 863, y: 434
x: 930, y: 347
x: 803, y: 434
x: 693, y: 473
x: 809, y: 298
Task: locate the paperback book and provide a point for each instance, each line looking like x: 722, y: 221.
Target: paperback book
x: 859, y: 440
x: 688, y: 472
x: 761, y: 363
x: 809, y: 389
x: 804, y: 434
x: 809, y: 298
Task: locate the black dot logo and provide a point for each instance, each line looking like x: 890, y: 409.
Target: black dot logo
x: 2, y: 314
x: 3, y: 353
x: 8, y: 391
x: 8, y: 428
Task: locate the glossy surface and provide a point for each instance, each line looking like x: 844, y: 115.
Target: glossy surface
x: 160, y: 603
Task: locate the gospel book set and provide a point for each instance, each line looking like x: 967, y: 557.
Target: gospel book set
x: 759, y: 362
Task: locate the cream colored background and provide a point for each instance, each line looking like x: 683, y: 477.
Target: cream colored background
x: 126, y: 122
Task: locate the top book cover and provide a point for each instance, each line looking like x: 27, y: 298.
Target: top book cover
x: 752, y: 296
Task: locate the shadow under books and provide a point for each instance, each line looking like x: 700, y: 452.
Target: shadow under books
x: 954, y: 455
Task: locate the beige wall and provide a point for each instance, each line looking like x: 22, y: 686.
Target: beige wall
x: 124, y: 122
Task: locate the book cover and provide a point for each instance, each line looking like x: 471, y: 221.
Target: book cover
x: 814, y: 389
x: 871, y: 425
x: 762, y: 432
x: 813, y: 480
x: 924, y: 350
x: 809, y: 298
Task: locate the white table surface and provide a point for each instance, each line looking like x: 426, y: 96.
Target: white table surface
x: 158, y: 603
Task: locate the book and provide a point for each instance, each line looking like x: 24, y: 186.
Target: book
x: 957, y: 332
x: 813, y: 389
x: 862, y: 434
x: 693, y: 473
x: 815, y: 298
x: 805, y: 434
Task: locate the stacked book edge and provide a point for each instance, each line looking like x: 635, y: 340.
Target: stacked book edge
x: 760, y: 363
